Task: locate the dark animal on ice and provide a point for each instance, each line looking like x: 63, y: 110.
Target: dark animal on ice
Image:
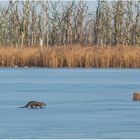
x: 34, y: 104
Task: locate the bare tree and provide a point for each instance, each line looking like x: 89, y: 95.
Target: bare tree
x: 25, y: 23
x: 118, y: 14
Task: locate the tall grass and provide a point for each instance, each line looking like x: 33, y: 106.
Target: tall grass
x: 71, y: 56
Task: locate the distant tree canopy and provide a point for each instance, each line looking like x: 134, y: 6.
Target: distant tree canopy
x: 25, y: 23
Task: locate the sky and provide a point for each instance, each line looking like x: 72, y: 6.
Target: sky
x: 92, y: 4
x: 89, y: 2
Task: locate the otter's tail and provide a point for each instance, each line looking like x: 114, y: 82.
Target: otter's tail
x: 23, y: 106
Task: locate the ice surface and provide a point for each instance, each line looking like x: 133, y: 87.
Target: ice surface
x: 81, y: 103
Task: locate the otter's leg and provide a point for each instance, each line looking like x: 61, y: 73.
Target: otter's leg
x: 32, y: 106
x: 36, y: 106
x: 40, y: 106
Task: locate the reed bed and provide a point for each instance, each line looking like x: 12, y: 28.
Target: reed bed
x: 71, y: 56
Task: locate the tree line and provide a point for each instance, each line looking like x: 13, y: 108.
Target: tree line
x: 59, y: 23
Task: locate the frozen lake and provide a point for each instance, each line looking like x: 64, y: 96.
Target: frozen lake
x: 81, y: 103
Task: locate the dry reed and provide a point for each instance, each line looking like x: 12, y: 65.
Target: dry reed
x: 71, y: 56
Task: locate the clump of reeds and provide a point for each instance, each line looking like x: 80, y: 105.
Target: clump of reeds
x: 71, y: 56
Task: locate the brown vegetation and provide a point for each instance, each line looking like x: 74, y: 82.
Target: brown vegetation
x: 136, y: 96
x: 71, y: 56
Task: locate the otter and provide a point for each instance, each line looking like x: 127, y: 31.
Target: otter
x: 34, y: 104
x: 136, y: 96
